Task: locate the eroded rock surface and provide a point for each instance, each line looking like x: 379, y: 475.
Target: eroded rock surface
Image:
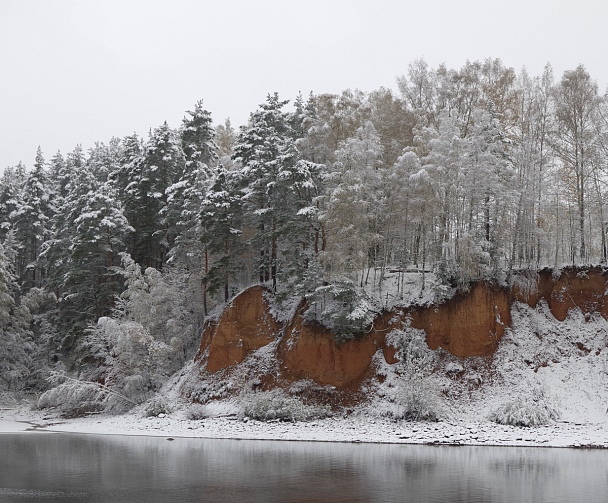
x: 469, y: 324
x: 310, y: 351
x: 244, y: 326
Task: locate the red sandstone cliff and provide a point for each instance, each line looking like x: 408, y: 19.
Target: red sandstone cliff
x: 469, y: 324
x: 244, y: 326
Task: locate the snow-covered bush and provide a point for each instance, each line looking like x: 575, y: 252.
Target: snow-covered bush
x: 418, y: 400
x: 470, y: 259
x: 129, y: 360
x: 343, y: 308
x: 161, y: 303
x: 416, y: 397
x: 414, y: 353
x: 525, y: 282
x: 156, y: 407
x: 197, y: 412
x: 276, y: 405
x: 526, y: 410
x: 72, y: 398
x: 453, y: 369
x: 75, y: 397
x: 7, y: 398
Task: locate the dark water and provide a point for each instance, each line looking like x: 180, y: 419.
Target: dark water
x: 88, y: 468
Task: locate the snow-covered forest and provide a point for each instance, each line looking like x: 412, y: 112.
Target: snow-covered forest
x: 112, y: 259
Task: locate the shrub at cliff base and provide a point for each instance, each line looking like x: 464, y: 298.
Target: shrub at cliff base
x: 276, y: 405
x: 418, y: 400
x: 526, y: 411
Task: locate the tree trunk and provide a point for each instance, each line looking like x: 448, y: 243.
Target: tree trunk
x: 205, y: 280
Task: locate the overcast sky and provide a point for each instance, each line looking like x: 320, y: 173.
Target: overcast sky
x: 80, y: 71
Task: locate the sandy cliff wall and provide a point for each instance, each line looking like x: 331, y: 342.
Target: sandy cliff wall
x: 244, y: 326
x: 310, y: 351
x: 573, y: 288
x: 470, y: 324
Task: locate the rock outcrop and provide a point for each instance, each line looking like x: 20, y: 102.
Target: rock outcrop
x: 310, y: 351
x: 470, y: 324
x: 244, y: 326
x: 584, y: 289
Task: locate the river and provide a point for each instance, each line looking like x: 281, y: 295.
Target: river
x: 47, y: 467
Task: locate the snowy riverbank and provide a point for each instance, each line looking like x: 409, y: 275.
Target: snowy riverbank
x: 566, y: 362
x: 349, y: 429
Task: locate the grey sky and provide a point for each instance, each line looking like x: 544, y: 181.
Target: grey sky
x: 80, y: 71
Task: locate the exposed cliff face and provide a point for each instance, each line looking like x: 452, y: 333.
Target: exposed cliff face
x: 244, y: 326
x: 575, y: 288
x: 310, y: 351
x: 470, y: 324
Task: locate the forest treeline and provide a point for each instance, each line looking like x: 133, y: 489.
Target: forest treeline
x: 469, y: 173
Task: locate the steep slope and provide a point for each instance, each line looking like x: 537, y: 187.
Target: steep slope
x: 244, y: 326
x: 467, y: 328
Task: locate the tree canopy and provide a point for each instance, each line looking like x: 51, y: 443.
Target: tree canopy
x: 463, y: 175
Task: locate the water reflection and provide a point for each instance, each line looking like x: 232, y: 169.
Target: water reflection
x: 58, y: 467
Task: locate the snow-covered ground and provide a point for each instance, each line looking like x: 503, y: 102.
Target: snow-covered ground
x: 349, y: 429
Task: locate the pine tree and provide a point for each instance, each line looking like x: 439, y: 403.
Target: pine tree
x: 131, y: 149
x: 265, y: 152
x: 184, y: 198
x: 10, y: 196
x: 159, y: 167
x: 15, y: 337
x: 32, y: 224
x: 98, y: 238
x: 70, y: 202
x: 197, y: 137
x: 277, y: 190
x: 221, y: 221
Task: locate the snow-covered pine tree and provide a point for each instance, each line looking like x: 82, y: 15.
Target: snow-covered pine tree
x: 73, y: 187
x: 159, y: 167
x: 270, y: 177
x: 32, y: 225
x: 221, y: 233
x: 98, y: 238
x: 11, y: 185
x: 16, y: 344
x: 185, y: 198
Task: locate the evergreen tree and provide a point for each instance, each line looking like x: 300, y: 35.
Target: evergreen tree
x: 221, y: 233
x: 15, y: 338
x: 186, y: 196
x: 160, y: 166
x: 10, y: 196
x: 104, y: 160
x: 71, y: 202
x: 198, y: 136
x: 32, y: 224
x: 275, y: 187
x: 131, y: 149
x: 99, y: 234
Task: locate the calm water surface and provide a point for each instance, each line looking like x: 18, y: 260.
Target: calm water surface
x: 44, y: 467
